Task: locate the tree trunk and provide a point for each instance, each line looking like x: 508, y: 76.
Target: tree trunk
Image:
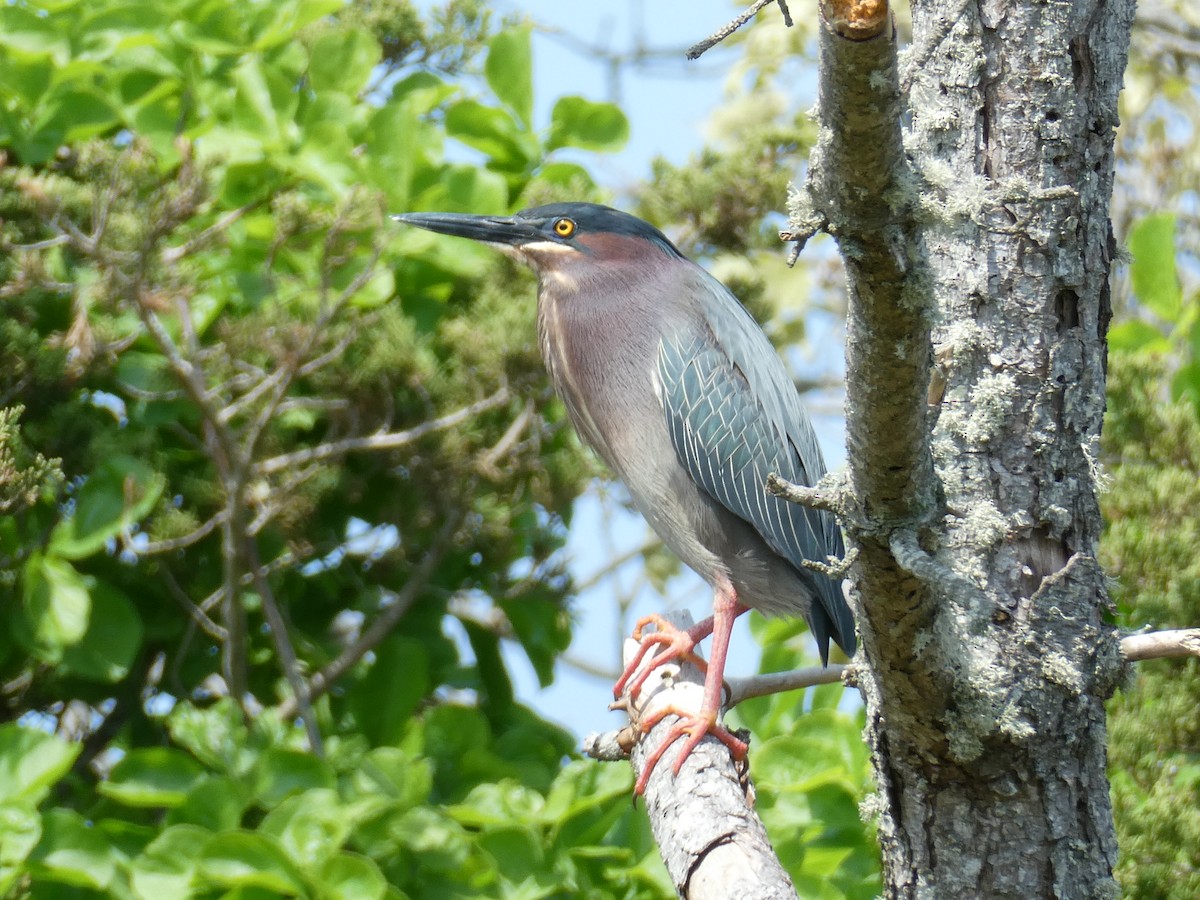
x: 978, y: 258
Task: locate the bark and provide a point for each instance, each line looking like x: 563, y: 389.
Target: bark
x: 713, y: 843
x: 977, y: 247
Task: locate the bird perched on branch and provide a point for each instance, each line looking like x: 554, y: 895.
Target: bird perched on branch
x: 674, y: 385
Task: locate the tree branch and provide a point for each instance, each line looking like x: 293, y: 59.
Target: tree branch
x: 386, y: 441
x: 284, y: 648
x: 740, y: 689
x: 1161, y: 644
x: 713, y: 843
x: 698, y: 49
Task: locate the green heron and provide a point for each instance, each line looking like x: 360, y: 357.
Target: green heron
x: 674, y: 385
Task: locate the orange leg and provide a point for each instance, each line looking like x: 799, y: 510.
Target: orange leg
x: 675, y: 645
x: 681, y: 644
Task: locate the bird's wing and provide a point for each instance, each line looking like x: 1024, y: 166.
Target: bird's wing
x: 735, y: 417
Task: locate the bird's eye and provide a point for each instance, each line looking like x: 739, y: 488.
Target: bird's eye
x: 564, y: 227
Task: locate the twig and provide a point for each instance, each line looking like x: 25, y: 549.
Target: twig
x: 389, y: 441
x: 384, y: 623
x: 739, y: 689
x: 615, y: 563
x: 174, y: 254
x: 195, y: 613
x: 697, y: 50
x: 283, y: 647
x: 487, y: 464
x: 184, y: 540
x: 811, y: 497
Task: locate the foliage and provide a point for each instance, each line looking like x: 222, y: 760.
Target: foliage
x: 812, y: 773
x: 1152, y: 447
x: 280, y: 493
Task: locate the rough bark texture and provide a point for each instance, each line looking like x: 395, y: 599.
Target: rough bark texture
x: 983, y: 260
x: 711, y: 840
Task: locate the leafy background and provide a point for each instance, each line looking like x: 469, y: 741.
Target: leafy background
x: 279, y: 480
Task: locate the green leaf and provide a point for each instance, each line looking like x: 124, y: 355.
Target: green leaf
x: 577, y: 178
x: 400, y: 673
x: 1186, y: 383
x: 71, y: 852
x: 73, y: 115
x: 290, y: 18
x: 57, y: 606
x: 576, y: 122
x: 32, y: 762
x: 167, y: 867
x: 282, y: 772
x: 20, y: 831
x: 467, y: 188
x: 114, y: 634
x: 23, y: 31
x: 152, y: 776
x: 217, y: 736
x: 263, y: 106
x: 115, y: 497
x: 348, y: 876
x: 215, y: 803
x: 248, y: 859
x: 441, y: 844
x: 311, y: 826
x: 343, y: 60
x: 390, y: 772
x: 1155, y: 279
x: 491, y: 131
x: 509, y: 71
x: 1135, y: 335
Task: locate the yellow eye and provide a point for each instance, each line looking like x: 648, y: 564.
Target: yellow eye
x: 564, y: 228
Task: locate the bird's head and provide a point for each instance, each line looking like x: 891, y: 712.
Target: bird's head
x: 560, y: 239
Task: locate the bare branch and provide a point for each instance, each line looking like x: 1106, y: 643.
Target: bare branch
x: 171, y: 255
x: 487, y: 464
x: 185, y: 540
x: 376, y: 442
x: 1161, y: 644
x: 196, y: 613
x: 283, y: 648
x: 812, y: 497
x: 740, y: 689
x: 698, y: 49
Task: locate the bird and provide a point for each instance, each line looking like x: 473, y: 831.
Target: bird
x: 675, y: 386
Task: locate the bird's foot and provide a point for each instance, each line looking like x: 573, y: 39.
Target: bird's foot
x: 671, y: 644
x: 693, y: 726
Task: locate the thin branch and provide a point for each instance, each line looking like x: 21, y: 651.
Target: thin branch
x: 740, y: 689
x: 615, y: 563
x: 811, y: 497
x: 1161, y: 644
x: 698, y: 49
x: 376, y: 442
x: 170, y: 255
x: 194, y: 612
x: 487, y: 463
x: 384, y: 623
x: 184, y: 540
x: 283, y: 648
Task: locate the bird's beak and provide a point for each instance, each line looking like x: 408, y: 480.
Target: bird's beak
x: 504, y: 231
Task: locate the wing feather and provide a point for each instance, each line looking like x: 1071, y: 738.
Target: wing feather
x: 734, y: 417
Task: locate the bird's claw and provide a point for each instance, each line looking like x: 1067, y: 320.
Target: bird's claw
x: 676, y: 644
x: 692, y: 725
